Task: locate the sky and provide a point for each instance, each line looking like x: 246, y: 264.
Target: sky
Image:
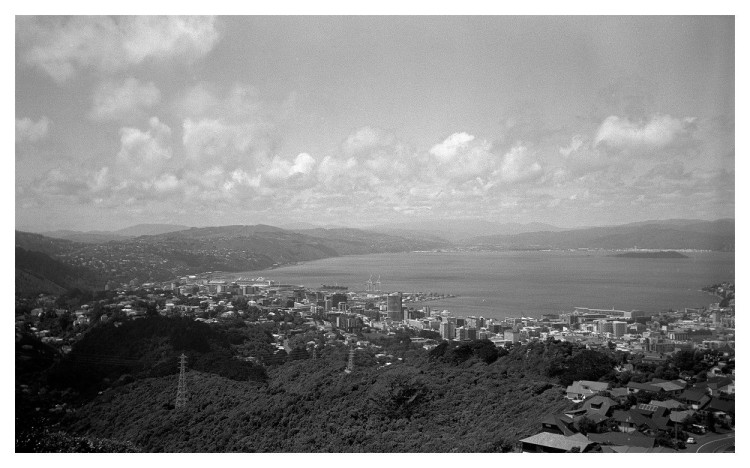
x: 361, y: 121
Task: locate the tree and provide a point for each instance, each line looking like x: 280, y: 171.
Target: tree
x: 586, y: 425
x: 298, y: 354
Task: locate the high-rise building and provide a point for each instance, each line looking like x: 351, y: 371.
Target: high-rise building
x: 447, y: 330
x: 395, y: 312
x: 619, y: 328
x: 462, y: 333
x: 605, y: 326
x: 511, y: 335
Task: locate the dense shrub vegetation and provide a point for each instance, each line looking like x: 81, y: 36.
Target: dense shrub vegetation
x: 121, y: 383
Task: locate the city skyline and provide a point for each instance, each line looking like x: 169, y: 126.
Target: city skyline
x: 358, y: 121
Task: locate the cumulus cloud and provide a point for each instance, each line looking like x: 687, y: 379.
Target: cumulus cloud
x: 575, y: 144
x: 280, y: 168
x: 659, y: 131
x: 367, y: 138
x: 113, y: 101
x: 233, y: 128
x: 517, y: 166
x: 450, y: 147
x: 147, y: 152
x: 28, y: 130
x: 61, y: 47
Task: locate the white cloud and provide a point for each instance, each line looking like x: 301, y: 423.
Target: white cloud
x: 659, y: 131
x: 62, y: 46
x: 233, y: 129
x: 166, y: 183
x: 145, y: 152
x: 303, y: 164
x: 448, y: 149
x: 282, y: 169
x: 575, y: 144
x: 114, y: 101
x: 367, y: 138
x: 517, y: 166
x: 28, y: 130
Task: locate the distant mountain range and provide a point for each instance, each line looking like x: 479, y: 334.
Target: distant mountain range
x: 159, y: 252
x: 665, y: 235
x: 120, y: 234
x: 458, y: 230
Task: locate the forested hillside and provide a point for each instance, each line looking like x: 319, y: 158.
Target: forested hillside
x: 118, y: 388
x: 313, y: 406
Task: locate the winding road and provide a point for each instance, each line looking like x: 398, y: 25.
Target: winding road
x: 712, y: 443
x: 717, y: 445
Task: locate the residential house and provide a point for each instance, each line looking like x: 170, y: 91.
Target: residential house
x: 599, y: 404
x: 670, y: 404
x: 673, y: 387
x: 634, y: 439
x: 558, y: 424
x: 582, y: 389
x: 695, y: 397
x: 555, y: 443
x: 635, y: 387
x: 628, y: 449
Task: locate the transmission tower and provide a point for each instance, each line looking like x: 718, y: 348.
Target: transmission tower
x: 350, y: 364
x: 182, y: 395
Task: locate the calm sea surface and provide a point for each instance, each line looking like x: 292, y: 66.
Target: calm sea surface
x: 500, y: 284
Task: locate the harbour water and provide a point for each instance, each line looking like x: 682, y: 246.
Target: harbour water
x: 500, y: 284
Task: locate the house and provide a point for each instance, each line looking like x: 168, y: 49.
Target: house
x: 629, y: 449
x: 599, y: 404
x: 717, y: 385
x: 673, y: 387
x: 670, y: 404
x: 558, y: 424
x: 619, y: 394
x: 635, y: 387
x: 632, y: 421
x: 633, y: 439
x: 723, y: 409
x: 679, y: 417
x: 582, y: 389
x: 555, y: 443
x: 695, y: 397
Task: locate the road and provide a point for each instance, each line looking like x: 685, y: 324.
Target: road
x: 711, y: 443
x: 717, y: 445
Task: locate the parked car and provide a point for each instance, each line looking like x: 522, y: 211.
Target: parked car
x: 698, y: 429
x: 690, y: 440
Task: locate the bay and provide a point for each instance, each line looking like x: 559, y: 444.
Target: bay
x: 514, y: 284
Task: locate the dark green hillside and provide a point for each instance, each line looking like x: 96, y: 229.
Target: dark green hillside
x: 119, y: 384
x: 312, y: 406
x: 37, y: 272
x: 150, y: 347
x: 44, y: 244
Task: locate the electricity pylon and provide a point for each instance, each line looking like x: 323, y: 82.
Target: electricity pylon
x: 182, y: 395
x: 350, y: 364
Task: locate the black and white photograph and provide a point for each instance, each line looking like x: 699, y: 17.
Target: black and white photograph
x: 375, y: 233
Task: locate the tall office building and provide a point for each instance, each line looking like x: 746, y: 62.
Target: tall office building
x: 395, y: 311
x: 619, y: 328
x: 447, y: 330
